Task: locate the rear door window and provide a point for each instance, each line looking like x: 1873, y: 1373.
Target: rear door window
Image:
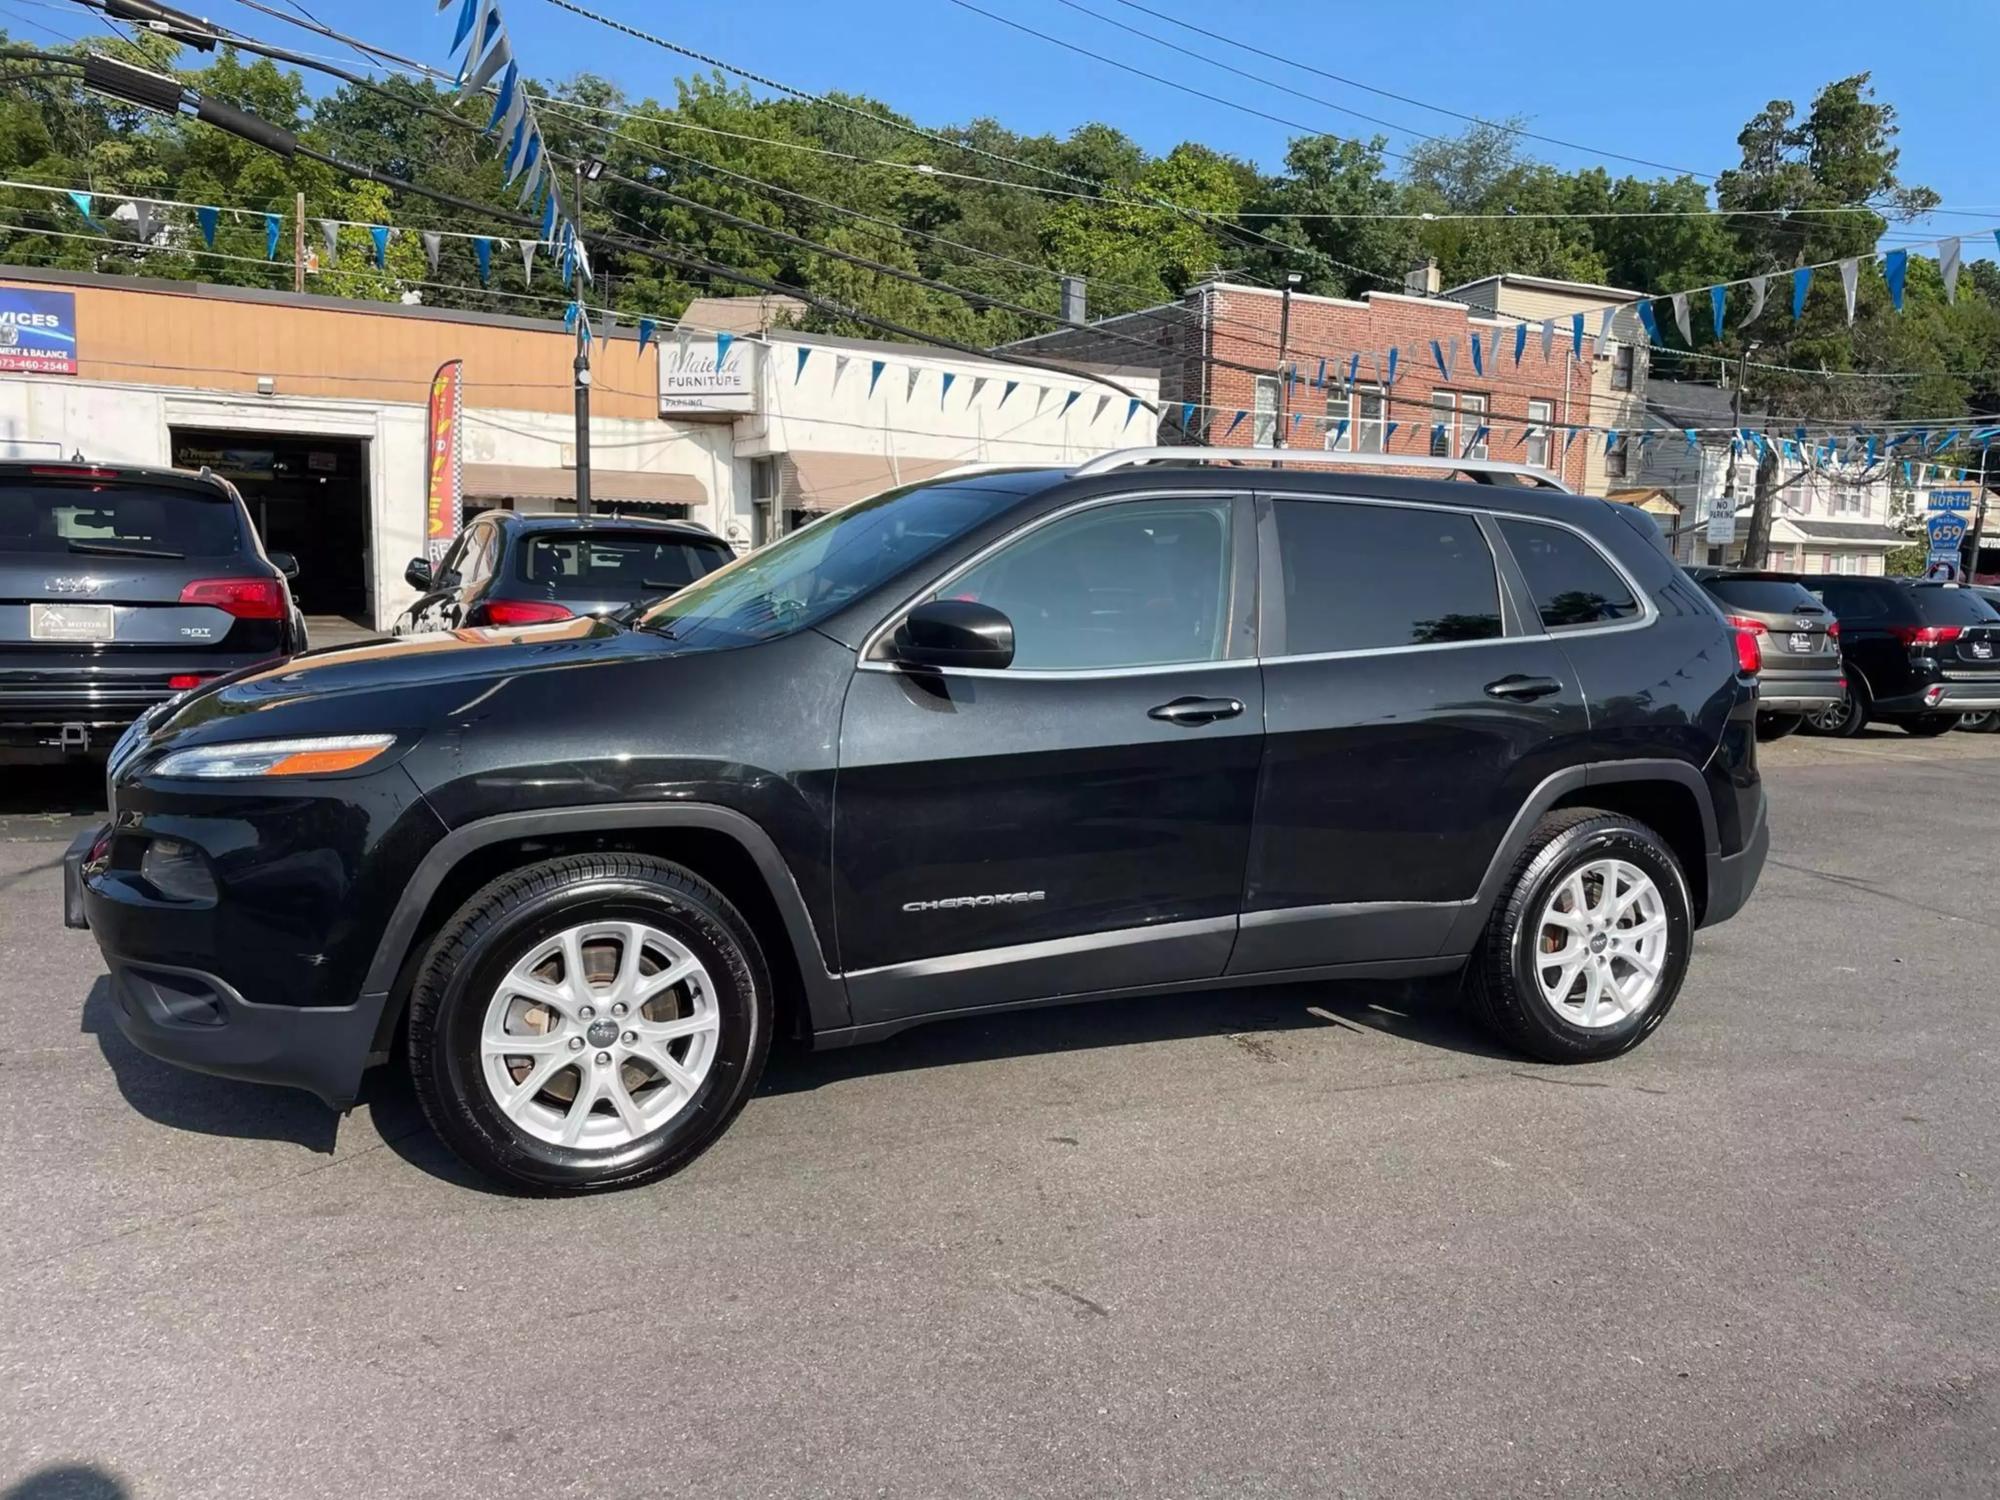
x: 1368, y: 577
x: 117, y: 520
x: 610, y: 562
x: 1572, y: 582
x: 1867, y: 604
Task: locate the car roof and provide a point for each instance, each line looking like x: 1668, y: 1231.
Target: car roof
x: 538, y: 524
x: 45, y: 468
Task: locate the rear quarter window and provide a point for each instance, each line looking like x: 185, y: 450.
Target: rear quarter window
x: 1572, y: 582
x: 1943, y: 606
x: 65, y: 518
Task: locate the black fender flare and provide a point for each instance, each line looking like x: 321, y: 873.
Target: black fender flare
x: 826, y: 993
x: 1552, y: 789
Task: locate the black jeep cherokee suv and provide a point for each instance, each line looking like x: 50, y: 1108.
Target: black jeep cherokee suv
x: 1148, y: 725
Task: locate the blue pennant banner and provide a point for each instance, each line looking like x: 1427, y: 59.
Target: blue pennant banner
x: 1131, y: 410
x: 1650, y: 323
x: 798, y: 372
x: 875, y: 369
x: 208, y: 218
x: 646, y: 327
x: 1520, y: 341
x: 482, y: 251
x: 1067, y: 403
x: 380, y: 235
x: 944, y: 387
x: 273, y: 228
x: 1801, y: 279
x: 1895, y: 269
x: 1235, y: 422
x: 1718, y: 298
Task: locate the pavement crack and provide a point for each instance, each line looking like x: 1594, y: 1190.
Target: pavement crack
x: 1856, y: 883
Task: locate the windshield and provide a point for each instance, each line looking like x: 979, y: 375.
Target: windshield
x: 800, y: 579
x: 624, y: 563
x: 116, y: 518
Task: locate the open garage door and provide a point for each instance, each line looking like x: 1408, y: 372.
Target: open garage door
x: 308, y: 496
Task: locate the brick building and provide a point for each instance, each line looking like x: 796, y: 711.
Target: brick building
x: 1218, y: 352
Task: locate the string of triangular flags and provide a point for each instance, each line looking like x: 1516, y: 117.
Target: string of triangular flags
x: 489, y: 59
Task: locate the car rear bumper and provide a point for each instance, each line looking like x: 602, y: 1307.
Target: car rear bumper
x: 1732, y: 877
x: 60, y: 710
x: 1949, y: 695
x: 1800, y: 692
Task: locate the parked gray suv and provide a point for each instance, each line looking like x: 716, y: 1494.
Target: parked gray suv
x: 1799, y: 638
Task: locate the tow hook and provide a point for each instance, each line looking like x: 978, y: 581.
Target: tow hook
x: 75, y: 739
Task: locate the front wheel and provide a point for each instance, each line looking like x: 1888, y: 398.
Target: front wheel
x: 589, y: 1022
x: 1584, y: 954
x: 1844, y: 719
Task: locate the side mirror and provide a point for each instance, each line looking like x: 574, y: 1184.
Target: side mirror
x: 287, y: 564
x: 418, y: 573
x: 954, y: 633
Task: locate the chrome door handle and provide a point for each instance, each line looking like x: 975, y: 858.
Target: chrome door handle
x: 1518, y: 686
x: 1191, y: 712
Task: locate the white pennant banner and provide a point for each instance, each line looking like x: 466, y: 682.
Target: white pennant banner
x: 528, y: 261
x: 1548, y: 336
x: 1604, y: 330
x: 978, y: 385
x: 1948, y: 252
x: 433, y: 242
x: 1680, y: 302
x: 840, y: 363
x: 1758, y: 286
x: 330, y: 232
x: 910, y: 390
x: 1850, y: 271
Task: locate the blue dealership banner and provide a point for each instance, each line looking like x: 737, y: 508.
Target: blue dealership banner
x: 38, y: 331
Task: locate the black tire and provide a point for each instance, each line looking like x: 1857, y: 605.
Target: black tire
x: 1846, y: 720
x: 1503, y: 983
x: 1987, y: 722
x: 1928, y: 726
x: 499, y: 924
x: 1777, y: 726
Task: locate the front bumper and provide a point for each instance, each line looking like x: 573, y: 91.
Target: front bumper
x: 1732, y: 877
x: 195, y: 1020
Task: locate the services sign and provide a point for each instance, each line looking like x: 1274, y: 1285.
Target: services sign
x: 693, y: 378
x: 37, y: 331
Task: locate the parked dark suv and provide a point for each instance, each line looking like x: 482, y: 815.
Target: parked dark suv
x: 1143, y: 726
x: 119, y: 587
x: 1797, y: 637
x: 509, y: 569
x: 1918, y: 655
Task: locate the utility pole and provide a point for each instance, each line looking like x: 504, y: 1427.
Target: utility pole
x: 582, y: 376
x: 1284, y: 342
x: 1758, y: 542
x: 299, y: 242
x: 1971, y: 556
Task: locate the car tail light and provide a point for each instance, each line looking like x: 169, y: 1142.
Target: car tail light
x: 71, y: 471
x: 1749, y: 650
x: 520, y: 612
x: 180, y: 682
x: 1926, y: 635
x: 1833, y: 630
x: 245, y: 598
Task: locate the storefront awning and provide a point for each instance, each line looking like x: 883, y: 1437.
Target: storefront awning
x: 809, y: 480
x: 532, y: 482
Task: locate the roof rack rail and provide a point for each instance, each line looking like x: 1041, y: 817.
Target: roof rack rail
x: 1480, y: 470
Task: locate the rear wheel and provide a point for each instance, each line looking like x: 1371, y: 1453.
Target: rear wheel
x: 1929, y: 726
x: 1777, y: 726
x: 1584, y: 955
x: 1844, y: 719
x: 589, y: 1022
x: 1980, y: 723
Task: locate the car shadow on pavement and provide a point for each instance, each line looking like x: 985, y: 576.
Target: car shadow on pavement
x: 1425, y: 1012
x: 199, y: 1102
x: 66, y: 1482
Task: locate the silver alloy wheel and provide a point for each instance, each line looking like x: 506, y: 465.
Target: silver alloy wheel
x: 1601, y: 944
x: 1833, y: 719
x: 599, y: 1035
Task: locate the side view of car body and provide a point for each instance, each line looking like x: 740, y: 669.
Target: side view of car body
x: 509, y: 569
x: 1917, y: 655
x: 1798, y: 639
x: 120, y: 586
x: 1146, y: 725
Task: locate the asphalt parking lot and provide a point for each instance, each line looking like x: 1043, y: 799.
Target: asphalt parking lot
x: 1309, y: 1240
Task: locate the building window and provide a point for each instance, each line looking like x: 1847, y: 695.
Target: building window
x: 1850, y: 563
x: 1264, y: 425
x: 1617, y: 461
x: 766, y: 522
x: 1476, y: 435
x: 1540, y: 414
x: 1444, y: 424
x: 1621, y: 367
x: 1339, y: 409
x: 1367, y: 434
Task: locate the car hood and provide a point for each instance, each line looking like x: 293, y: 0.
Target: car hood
x: 409, y: 682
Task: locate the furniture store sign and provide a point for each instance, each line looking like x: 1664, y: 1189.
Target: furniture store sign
x: 706, y: 374
x: 37, y: 331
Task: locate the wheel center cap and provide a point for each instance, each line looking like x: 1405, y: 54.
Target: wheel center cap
x: 1598, y: 943
x: 602, y: 1033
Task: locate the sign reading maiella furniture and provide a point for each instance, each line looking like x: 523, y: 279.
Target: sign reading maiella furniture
x: 705, y: 374
x: 38, y: 331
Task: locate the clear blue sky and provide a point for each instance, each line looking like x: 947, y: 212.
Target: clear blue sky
x: 1675, y: 90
